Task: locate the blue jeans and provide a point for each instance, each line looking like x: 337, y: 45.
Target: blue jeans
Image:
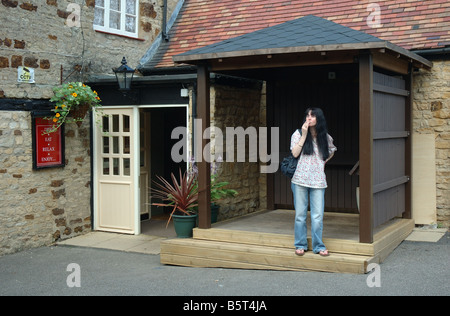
x: 317, y: 206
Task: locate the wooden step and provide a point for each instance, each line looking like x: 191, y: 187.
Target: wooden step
x: 280, y: 240
x: 206, y: 253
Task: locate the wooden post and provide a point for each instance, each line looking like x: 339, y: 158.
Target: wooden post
x: 408, y: 145
x: 204, y: 172
x: 366, y: 147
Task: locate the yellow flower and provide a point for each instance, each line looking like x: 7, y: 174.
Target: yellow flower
x: 55, y: 120
x: 58, y: 115
x: 74, y: 94
x: 63, y: 106
x: 84, y: 85
x: 56, y: 107
x: 95, y: 92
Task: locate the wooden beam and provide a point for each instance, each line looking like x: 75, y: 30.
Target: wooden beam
x: 408, y: 143
x: 286, y: 60
x: 389, y: 62
x: 204, y: 173
x: 366, y: 147
x: 270, y: 180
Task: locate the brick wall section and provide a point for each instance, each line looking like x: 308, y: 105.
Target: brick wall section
x: 432, y: 116
x: 39, y: 207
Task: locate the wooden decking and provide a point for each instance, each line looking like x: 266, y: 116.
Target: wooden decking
x: 265, y: 241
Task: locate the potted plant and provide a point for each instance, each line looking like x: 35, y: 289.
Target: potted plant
x: 218, y: 188
x: 182, y: 197
x: 74, y: 98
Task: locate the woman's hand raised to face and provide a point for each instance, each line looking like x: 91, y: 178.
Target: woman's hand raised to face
x: 305, y: 128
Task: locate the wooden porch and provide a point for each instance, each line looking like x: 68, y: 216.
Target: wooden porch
x: 264, y: 240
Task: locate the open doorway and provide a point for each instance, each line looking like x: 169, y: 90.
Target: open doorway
x: 156, y: 126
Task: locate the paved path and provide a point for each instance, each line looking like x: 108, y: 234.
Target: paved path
x: 414, y: 268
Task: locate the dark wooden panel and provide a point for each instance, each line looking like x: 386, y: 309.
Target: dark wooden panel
x: 389, y: 147
x: 291, y: 95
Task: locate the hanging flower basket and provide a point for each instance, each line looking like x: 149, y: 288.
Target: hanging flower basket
x: 76, y: 99
x: 79, y: 113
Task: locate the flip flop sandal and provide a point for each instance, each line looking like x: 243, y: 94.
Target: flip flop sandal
x: 299, y: 252
x: 324, y: 253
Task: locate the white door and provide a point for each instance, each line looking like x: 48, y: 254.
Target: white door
x: 117, y: 184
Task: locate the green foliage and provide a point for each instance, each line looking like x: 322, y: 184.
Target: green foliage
x: 68, y: 98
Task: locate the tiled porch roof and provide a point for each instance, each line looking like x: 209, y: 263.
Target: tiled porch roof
x: 408, y: 24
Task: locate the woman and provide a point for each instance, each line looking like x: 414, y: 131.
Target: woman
x: 315, y: 147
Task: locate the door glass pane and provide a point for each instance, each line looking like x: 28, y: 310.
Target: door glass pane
x: 105, y: 145
x: 116, y: 170
x: 126, y: 123
x: 106, y: 166
x: 105, y: 123
x: 126, y: 167
x: 126, y: 144
x: 115, y: 123
x: 115, y: 144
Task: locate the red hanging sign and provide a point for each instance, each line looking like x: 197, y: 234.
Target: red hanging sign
x: 48, y: 147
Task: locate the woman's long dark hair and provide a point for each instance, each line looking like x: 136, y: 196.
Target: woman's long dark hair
x: 322, y: 134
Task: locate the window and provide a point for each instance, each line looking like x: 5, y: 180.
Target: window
x: 116, y: 16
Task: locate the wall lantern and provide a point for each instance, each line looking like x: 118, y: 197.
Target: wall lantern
x: 124, y: 76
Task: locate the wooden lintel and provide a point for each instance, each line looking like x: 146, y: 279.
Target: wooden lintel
x: 286, y: 60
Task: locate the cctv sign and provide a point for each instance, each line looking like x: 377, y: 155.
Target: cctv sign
x: 25, y: 74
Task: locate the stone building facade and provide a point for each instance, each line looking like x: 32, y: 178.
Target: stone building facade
x: 56, y: 38
x: 39, y: 207
x: 431, y: 115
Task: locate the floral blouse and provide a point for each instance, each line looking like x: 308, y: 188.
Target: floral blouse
x: 310, y: 170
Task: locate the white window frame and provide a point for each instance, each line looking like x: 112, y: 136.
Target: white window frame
x: 105, y: 28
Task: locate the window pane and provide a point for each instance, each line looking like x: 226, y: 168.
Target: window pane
x: 100, y: 3
x: 131, y: 7
x: 114, y: 20
x: 115, y: 5
x: 126, y: 123
x: 126, y: 144
x: 115, y: 123
x: 106, y: 166
x: 116, y: 145
x: 116, y: 170
x: 130, y: 24
x: 99, y: 16
x: 126, y: 167
x: 105, y: 123
x: 106, y: 145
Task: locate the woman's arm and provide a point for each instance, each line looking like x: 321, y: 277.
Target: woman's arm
x: 297, y: 149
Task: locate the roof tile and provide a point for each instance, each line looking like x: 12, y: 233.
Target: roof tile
x: 412, y: 24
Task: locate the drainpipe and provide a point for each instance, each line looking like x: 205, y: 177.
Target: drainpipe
x: 165, y: 36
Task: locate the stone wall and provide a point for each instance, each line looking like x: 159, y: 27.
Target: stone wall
x: 38, y: 207
x: 431, y: 115
x: 37, y: 34
x: 238, y: 107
